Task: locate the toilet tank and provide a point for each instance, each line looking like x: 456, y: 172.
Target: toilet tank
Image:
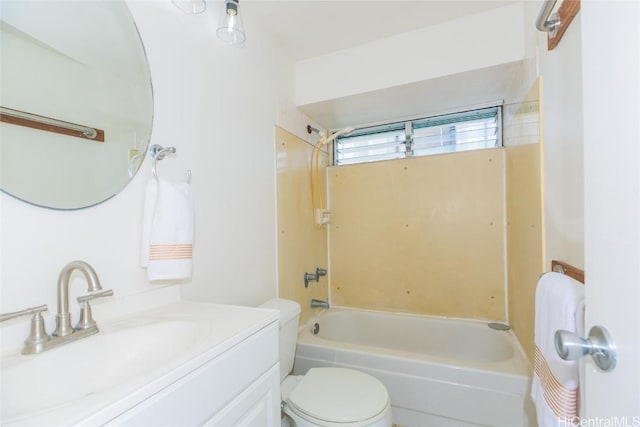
x: 288, y: 336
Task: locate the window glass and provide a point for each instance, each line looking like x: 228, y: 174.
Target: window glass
x: 467, y: 130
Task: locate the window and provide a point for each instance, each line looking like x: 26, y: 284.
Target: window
x: 467, y: 130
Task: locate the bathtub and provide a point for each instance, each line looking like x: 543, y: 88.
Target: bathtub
x: 439, y: 371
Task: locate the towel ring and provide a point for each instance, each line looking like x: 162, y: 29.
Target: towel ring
x: 158, y: 152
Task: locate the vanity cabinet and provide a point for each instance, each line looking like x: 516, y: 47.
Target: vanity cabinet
x: 238, y: 387
x: 176, y: 363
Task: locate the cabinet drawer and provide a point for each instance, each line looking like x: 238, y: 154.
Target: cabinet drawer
x: 258, y: 405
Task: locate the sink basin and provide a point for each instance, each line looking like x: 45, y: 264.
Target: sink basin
x: 135, y: 356
x: 118, y: 354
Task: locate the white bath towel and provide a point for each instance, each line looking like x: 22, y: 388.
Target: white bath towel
x: 555, y: 385
x: 168, y: 230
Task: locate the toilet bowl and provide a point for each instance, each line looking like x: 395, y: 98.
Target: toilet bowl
x: 329, y: 396
x: 336, y: 397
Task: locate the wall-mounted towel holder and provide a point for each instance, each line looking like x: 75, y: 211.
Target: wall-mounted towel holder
x: 556, y: 23
x: 567, y: 269
x: 158, y: 152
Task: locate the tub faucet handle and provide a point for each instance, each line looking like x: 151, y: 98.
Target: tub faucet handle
x: 308, y: 277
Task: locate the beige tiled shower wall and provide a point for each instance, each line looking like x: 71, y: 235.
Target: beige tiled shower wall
x: 524, y: 238
x: 525, y: 226
x: 302, y: 246
x: 421, y: 235
x: 424, y: 235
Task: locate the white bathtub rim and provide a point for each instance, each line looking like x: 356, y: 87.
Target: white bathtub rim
x: 308, y: 326
x: 321, y: 343
x: 438, y: 370
x: 322, y: 311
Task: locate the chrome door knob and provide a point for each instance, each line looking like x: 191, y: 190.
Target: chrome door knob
x: 599, y: 345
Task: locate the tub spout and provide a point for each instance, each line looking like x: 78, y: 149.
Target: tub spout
x: 316, y: 303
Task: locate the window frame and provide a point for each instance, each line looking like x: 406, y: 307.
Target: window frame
x: 410, y: 149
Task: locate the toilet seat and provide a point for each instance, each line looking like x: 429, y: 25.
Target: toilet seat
x: 330, y: 396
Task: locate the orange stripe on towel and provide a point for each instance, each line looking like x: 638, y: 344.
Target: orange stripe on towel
x: 562, y: 400
x: 168, y: 252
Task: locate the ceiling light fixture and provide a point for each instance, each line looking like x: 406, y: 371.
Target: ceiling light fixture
x: 231, y: 30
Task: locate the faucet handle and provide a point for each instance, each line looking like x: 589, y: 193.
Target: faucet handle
x: 25, y: 312
x: 86, y: 317
x: 93, y: 295
x: 308, y: 277
x: 37, y: 334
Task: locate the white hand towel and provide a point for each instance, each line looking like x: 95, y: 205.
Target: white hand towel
x: 555, y: 385
x: 168, y: 230
x: 150, y: 196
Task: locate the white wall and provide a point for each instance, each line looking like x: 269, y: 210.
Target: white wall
x: 470, y: 43
x: 217, y: 105
x: 561, y: 71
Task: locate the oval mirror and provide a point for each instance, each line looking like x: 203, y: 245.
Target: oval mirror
x: 76, y: 98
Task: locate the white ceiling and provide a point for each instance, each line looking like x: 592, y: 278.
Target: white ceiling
x: 434, y: 96
x: 308, y: 28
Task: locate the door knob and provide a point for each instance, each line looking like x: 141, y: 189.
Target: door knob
x: 599, y: 345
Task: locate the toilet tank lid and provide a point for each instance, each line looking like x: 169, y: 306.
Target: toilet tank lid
x: 288, y: 309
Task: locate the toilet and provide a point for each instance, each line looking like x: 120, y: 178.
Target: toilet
x: 330, y: 397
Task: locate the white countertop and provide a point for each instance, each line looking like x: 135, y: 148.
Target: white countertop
x: 219, y: 327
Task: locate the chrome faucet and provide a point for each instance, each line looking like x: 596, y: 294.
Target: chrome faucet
x: 38, y: 339
x: 63, y: 318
